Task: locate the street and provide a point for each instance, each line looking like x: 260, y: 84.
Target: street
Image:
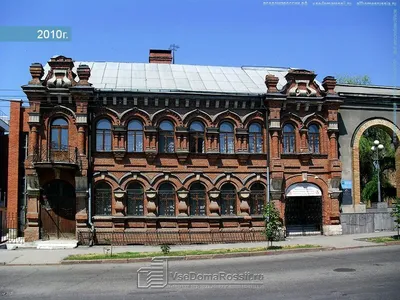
x: 368, y: 273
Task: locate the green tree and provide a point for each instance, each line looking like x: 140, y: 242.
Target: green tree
x: 358, y: 80
x: 273, y: 223
x: 367, y: 166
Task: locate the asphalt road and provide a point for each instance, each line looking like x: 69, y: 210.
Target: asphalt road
x: 369, y: 273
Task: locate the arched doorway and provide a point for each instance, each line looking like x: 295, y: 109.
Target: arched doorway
x: 58, y: 210
x: 392, y: 130
x: 303, y: 209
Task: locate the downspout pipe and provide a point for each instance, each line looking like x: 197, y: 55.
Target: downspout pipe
x: 268, y: 153
x: 92, y: 228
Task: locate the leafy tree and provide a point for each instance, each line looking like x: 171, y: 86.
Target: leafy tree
x: 359, y: 80
x: 273, y: 223
x: 367, y: 165
x: 396, y: 215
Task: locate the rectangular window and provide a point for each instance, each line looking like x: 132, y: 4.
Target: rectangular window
x: 288, y: 143
x: 54, y: 139
x: 103, y: 202
x: 197, y: 203
x: 166, y: 204
x: 135, y: 203
x: 257, y: 202
x: 228, y: 203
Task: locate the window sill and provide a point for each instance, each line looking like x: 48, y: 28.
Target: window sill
x: 298, y: 155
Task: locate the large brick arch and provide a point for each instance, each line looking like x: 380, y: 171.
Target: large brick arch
x: 355, y: 143
x: 321, y: 184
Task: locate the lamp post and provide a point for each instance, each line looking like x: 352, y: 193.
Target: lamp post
x: 375, y: 150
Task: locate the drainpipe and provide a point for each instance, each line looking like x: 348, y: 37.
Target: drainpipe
x: 92, y: 228
x: 268, y: 153
x: 23, y: 214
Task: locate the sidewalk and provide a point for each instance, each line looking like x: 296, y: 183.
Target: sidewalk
x: 27, y: 256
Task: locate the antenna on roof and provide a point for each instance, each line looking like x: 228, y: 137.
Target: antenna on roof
x: 174, y: 48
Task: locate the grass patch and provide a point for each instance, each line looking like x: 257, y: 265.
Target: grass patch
x: 383, y: 239
x: 125, y: 255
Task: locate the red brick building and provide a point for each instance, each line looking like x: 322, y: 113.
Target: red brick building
x: 135, y: 148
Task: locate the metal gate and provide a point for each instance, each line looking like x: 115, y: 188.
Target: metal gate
x: 303, y: 215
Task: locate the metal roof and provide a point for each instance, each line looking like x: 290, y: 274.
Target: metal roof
x: 370, y: 91
x: 4, y: 127
x: 153, y: 77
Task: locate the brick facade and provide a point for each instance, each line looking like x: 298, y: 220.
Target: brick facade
x: 99, y: 164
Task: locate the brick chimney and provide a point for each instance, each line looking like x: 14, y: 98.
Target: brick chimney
x: 160, y: 56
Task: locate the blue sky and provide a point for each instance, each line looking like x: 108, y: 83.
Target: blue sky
x: 330, y: 40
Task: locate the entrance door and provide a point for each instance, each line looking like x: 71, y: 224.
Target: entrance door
x: 303, y: 215
x: 58, y: 210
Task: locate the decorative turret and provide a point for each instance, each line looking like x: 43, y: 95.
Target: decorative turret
x: 271, y: 82
x: 60, y: 75
x: 84, y: 74
x: 36, y: 70
x: 329, y: 84
x: 300, y: 83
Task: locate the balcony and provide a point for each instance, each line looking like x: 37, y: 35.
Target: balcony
x: 67, y: 157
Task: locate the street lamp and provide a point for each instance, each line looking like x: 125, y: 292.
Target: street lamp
x: 375, y: 150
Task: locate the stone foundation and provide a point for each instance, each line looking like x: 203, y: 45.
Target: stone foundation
x: 332, y: 229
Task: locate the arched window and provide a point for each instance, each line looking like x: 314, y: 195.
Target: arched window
x: 226, y: 138
x: 313, y: 138
x: 197, y: 200
x: 228, y: 199
x: 135, y: 136
x: 255, y: 138
x: 166, y: 137
x: 59, y: 135
x: 103, y: 135
x: 166, y: 200
x: 102, y: 194
x: 197, y: 140
x: 257, y: 199
x: 289, y: 140
x: 135, y: 201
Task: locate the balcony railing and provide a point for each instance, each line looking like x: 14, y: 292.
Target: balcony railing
x: 66, y: 154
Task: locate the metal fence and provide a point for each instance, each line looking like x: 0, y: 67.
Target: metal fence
x: 8, y: 229
x: 67, y: 154
x: 169, y: 237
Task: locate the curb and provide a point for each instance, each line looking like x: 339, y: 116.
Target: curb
x: 195, y: 257
x: 218, y: 256
x: 392, y: 243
